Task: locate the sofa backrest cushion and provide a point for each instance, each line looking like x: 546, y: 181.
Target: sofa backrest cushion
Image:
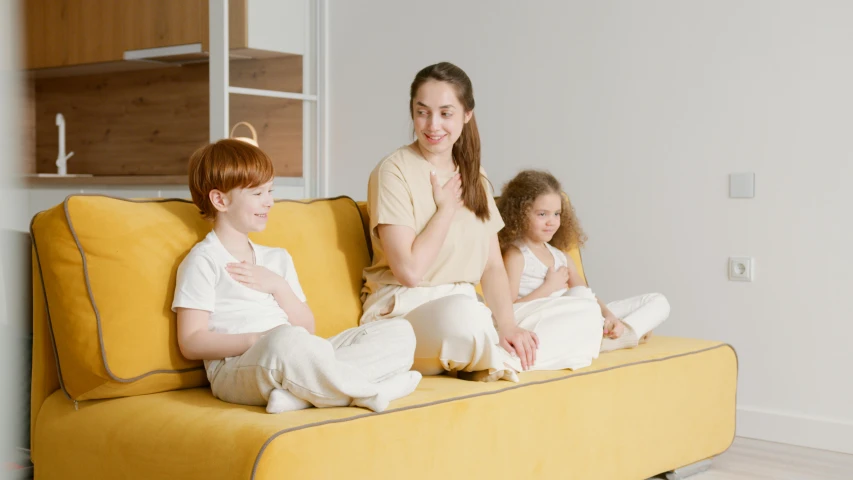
x: 107, y: 268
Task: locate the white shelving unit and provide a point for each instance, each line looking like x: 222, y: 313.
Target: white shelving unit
x: 273, y: 24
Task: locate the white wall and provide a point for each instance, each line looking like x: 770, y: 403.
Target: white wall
x: 643, y: 109
x: 277, y: 25
x: 15, y: 315
x: 13, y: 198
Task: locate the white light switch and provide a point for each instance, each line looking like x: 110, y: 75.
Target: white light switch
x: 742, y: 185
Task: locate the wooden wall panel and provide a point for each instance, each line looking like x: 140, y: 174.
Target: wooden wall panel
x: 278, y: 122
x: 149, y: 122
x: 132, y: 123
x: 283, y: 74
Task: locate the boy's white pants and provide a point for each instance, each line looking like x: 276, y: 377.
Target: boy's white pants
x: 456, y: 332
x: 326, y: 372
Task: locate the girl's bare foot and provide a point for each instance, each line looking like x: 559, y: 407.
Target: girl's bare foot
x: 613, y: 327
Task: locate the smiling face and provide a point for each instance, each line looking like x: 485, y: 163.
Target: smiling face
x: 543, y: 219
x: 244, y: 209
x: 438, y: 117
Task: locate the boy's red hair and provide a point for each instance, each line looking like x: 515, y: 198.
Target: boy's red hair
x: 224, y: 166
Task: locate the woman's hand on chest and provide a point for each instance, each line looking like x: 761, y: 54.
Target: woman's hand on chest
x: 448, y: 196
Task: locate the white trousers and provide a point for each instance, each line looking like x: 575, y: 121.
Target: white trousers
x: 456, y: 332
x: 642, y: 313
x: 572, y: 337
x: 569, y: 328
x: 327, y: 373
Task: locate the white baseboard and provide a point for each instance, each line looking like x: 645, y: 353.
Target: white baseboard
x: 795, y: 429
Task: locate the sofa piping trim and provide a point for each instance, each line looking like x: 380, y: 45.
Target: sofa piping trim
x: 366, y: 228
x: 47, y: 310
x: 91, y: 294
x: 494, y: 392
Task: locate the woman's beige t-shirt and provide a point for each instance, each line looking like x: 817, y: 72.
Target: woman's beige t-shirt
x: 400, y: 193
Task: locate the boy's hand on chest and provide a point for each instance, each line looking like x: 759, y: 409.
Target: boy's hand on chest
x: 256, y: 277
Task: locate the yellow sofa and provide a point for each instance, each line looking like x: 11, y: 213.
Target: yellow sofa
x: 112, y: 397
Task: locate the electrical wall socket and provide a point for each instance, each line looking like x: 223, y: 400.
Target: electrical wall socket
x: 741, y: 269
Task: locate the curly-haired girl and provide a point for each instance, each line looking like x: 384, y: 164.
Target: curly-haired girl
x: 540, y: 224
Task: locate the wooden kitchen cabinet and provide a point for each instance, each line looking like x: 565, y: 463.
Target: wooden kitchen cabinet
x: 62, y: 33
x: 164, y: 23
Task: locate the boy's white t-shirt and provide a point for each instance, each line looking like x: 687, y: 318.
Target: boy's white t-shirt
x: 204, y: 284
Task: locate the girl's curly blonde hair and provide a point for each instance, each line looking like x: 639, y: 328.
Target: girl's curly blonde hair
x: 517, y: 199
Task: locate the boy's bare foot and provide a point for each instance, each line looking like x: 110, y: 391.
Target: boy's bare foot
x: 389, y: 390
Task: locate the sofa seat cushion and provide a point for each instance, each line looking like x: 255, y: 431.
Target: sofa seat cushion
x: 632, y: 414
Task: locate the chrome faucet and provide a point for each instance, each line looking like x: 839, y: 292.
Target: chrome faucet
x: 62, y: 158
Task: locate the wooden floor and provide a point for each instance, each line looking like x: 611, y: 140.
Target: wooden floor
x: 749, y: 459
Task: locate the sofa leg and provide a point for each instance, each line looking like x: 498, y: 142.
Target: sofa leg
x: 689, y: 470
